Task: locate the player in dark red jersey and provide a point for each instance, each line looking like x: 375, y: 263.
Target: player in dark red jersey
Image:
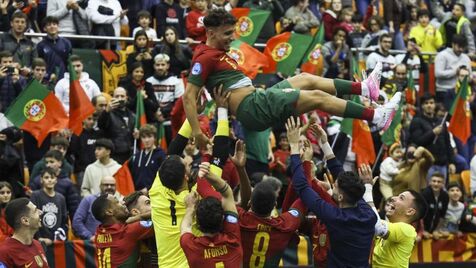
x: 258, y: 110
x: 116, y: 241
x: 220, y: 245
x: 264, y: 238
x: 21, y: 250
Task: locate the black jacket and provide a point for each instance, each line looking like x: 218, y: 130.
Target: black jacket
x: 436, y: 208
x: 150, y: 104
x: 118, y: 125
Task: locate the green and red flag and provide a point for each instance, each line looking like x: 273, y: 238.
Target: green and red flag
x: 248, y: 58
x: 392, y: 134
x: 460, y: 123
x: 362, y: 143
x: 140, y: 111
x: 124, y: 182
x: 250, y: 22
x: 161, y: 139
x: 80, y: 106
x: 410, y: 94
x: 37, y: 111
x: 313, y: 61
x: 427, y: 81
x: 285, y: 51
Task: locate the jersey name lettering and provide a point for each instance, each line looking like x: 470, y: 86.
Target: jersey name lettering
x: 214, y: 252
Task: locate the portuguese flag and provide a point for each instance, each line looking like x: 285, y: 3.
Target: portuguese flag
x: 313, y: 62
x: 362, y: 143
x: 460, y: 123
x: 285, y: 51
x: 248, y: 58
x: 80, y: 107
x: 410, y: 94
x: 140, y: 111
x: 250, y: 22
x: 392, y: 134
x: 37, y: 111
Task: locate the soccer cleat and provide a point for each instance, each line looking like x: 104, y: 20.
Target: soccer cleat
x: 372, y: 83
x: 384, y: 114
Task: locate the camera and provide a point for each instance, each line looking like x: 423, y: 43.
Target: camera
x: 10, y: 70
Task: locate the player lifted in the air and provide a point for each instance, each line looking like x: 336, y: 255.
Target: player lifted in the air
x: 258, y: 110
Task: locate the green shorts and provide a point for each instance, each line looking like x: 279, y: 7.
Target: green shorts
x: 263, y: 109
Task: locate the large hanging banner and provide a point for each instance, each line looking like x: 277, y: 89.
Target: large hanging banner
x: 453, y: 249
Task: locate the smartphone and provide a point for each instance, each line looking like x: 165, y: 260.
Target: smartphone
x: 10, y: 70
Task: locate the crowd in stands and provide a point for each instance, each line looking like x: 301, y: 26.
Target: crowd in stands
x: 65, y: 174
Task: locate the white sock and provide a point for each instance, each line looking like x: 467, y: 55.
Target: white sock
x: 364, y: 89
x: 378, y: 115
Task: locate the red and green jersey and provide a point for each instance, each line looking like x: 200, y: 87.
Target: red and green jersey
x: 117, y: 244
x: 15, y: 254
x: 212, y: 67
x: 221, y: 250
x: 265, y: 239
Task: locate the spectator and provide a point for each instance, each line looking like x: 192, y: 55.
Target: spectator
x: 146, y: 162
x: 103, y: 166
x: 144, y: 21
x: 447, y: 63
x: 411, y: 20
x: 73, y: 19
x: 180, y: 55
x: 194, y: 21
x: 22, y: 48
x: 427, y: 37
x: 275, y: 6
x: 335, y: 54
x: 60, y: 144
x: 6, y: 192
x: 330, y: 16
x: 389, y: 168
x: 303, y: 19
x: 11, y: 83
x: 83, y: 147
x: 396, y: 83
x: 53, y: 49
x: 167, y: 88
x: 382, y: 55
x: 454, y: 23
x: 375, y: 27
x: 279, y: 166
x: 89, y: 86
x: 117, y: 122
x: 84, y: 223
x: 54, y: 216
x: 393, y: 13
x: 24, y: 217
x: 437, y: 199
x: 169, y: 13
x: 413, y: 60
x: 356, y: 36
x: 142, y: 53
x: 38, y: 72
x: 64, y: 185
x: 454, y: 213
x: 106, y: 17
x: 345, y: 20
x: 100, y: 102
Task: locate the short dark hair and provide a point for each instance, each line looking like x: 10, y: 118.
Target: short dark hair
x: 49, y: 171
x: 218, y: 17
x: 351, y: 186
x: 172, y: 172
x: 75, y: 57
x: 385, y: 35
x: 357, y: 18
x: 99, y: 206
x: 5, y: 54
x: 54, y: 154
x: 49, y: 19
x: 461, y: 5
x: 19, y: 15
x: 144, y: 14
x: 38, y: 62
x: 131, y: 200
x: 337, y: 29
x: 460, y: 40
x: 438, y: 175
x: 420, y: 204
x: 209, y: 214
x: 59, y: 140
x: 106, y: 143
x: 16, y: 209
x: 426, y: 97
x: 94, y: 100
x: 133, y: 66
x: 263, y: 199
x: 423, y: 12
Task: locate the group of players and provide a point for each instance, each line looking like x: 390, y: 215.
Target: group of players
x: 248, y: 234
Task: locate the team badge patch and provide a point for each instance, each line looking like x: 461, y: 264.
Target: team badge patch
x: 34, y: 110
x: 2, y: 265
x: 231, y: 219
x: 281, y: 51
x: 145, y: 224
x: 294, y: 212
x: 197, y: 68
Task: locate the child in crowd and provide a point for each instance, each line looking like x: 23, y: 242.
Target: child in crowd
x: 145, y: 19
x: 5, y: 197
x: 389, y: 168
x: 454, y: 213
x: 194, y: 20
x: 345, y: 20
x: 279, y: 166
x: 54, y: 216
x: 437, y: 199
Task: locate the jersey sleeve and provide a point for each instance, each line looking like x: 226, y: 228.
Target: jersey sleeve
x: 231, y: 226
x: 140, y: 230
x: 202, y: 67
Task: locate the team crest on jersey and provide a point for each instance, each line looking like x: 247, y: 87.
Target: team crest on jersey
x: 237, y: 55
x: 2, y: 265
x: 244, y: 27
x: 315, y: 54
x: 34, y: 110
x: 281, y: 51
x: 197, y: 68
x: 294, y: 212
x: 146, y: 224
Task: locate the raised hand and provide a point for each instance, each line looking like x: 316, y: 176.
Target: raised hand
x: 221, y: 96
x: 319, y: 133
x: 306, y: 151
x: 239, y: 158
x: 365, y: 174
x: 292, y: 128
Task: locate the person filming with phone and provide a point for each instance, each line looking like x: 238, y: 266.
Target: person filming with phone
x: 117, y: 122
x: 11, y: 83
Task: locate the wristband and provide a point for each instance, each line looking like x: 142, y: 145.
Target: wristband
x: 368, y: 193
x: 326, y: 149
x: 222, y: 113
x: 186, y: 130
x: 223, y: 189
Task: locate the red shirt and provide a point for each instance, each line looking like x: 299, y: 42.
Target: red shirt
x: 194, y: 25
x: 264, y: 239
x: 117, y: 244
x: 221, y: 250
x: 15, y: 254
